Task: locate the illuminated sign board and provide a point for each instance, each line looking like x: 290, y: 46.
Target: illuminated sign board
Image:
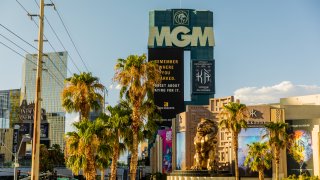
x: 171, y: 32
x: 27, y: 112
x: 202, y: 76
x: 169, y: 94
x: 181, y: 36
x: 304, y: 150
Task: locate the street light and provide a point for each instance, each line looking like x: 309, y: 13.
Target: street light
x: 16, y: 154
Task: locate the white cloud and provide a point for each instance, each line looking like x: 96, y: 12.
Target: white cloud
x: 272, y: 94
x: 118, y: 86
x: 70, y: 119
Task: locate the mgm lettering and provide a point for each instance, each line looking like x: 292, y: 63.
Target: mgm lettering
x: 174, y: 31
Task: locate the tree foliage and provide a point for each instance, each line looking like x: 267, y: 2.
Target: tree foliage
x: 50, y: 157
x: 278, y: 139
x: 137, y: 78
x: 81, y: 149
x: 82, y: 94
x: 233, y: 117
x: 259, y: 158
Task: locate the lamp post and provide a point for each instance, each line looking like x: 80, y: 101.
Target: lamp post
x: 16, y: 155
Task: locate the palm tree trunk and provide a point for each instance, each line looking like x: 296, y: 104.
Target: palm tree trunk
x: 90, y: 171
x: 261, y: 175
x: 134, y: 154
x: 102, y: 174
x: 277, y: 157
x: 235, y: 152
x: 115, y: 158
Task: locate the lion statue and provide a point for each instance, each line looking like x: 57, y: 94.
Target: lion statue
x: 205, y: 143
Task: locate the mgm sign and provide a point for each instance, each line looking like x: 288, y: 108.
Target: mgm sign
x: 171, y: 32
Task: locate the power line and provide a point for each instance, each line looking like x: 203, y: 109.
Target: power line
x: 45, y: 36
x: 59, y: 42
x: 22, y: 7
x: 70, y: 37
x: 18, y: 37
x: 51, y: 74
x: 33, y: 47
x: 13, y: 43
x: 56, y: 51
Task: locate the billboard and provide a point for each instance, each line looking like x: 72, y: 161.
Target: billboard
x: 202, y: 76
x: 166, y: 135
x: 303, y: 132
x: 187, y: 30
x: 181, y: 151
x: 44, y: 130
x: 27, y: 112
x: 168, y: 95
x: 15, y: 140
x: 248, y: 136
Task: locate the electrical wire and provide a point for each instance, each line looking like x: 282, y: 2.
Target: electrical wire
x: 51, y: 74
x: 34, y: 48
x: 18, y: 36
x: 70, y: 36
x: 59, y: 42
x: 14, y: 43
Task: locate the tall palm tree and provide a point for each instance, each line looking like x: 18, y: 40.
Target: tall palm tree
x: 81, y: 148
x: 259, y: 158
x: 233, y: 117
x: 104, y: 151
x: 117, y: 125
x: 82, y: 94
x: 103, y: 156
x: 278, y: 139
x: 137, y: 78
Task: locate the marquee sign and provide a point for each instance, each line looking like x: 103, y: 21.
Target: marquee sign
x: 27, y: 112
x: 169, y: 94
x: 202, y: 76
x: 186, y: 30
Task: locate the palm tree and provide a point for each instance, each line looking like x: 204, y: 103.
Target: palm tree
x: 104, y: 151
x: 81, y: 148
x: 82, y: 94
x: 117, y: 125
x: 233, y: 117
x: 259, y: 158
x: 278, y: 139
x: 137, y: 78
x: 103, y: 157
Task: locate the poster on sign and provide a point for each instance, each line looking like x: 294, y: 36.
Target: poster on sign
x: 166, y: 136
x: 169, y: 94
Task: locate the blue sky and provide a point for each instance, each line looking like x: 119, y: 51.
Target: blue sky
x: 264, y: 49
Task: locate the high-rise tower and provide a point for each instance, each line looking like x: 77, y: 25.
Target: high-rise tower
x: 53, y: 76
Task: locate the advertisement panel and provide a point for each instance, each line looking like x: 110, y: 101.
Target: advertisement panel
x: 181, y: 151
x: 166, y: 136
x: 248, y: 136
x: 168, y: 95
x: 203, y: 76
x: 44, y: 130
x: 303, y: 146
x: 15, y: 140
x: 27, y: 112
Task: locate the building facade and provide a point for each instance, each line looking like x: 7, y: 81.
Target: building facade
x: 302, y: 114
x: 9, y: 115
x: 171, y: 32
x: 53, y: 76
x: 4, y: 109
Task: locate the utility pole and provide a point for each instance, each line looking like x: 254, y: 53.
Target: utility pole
x: 37, y: 101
